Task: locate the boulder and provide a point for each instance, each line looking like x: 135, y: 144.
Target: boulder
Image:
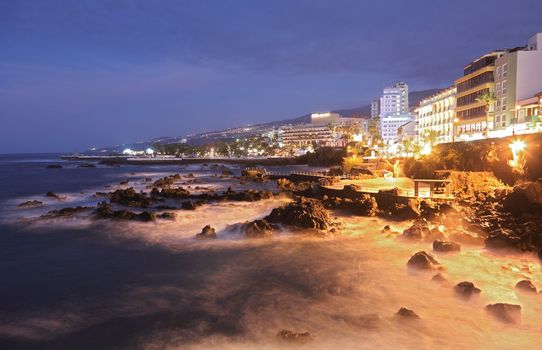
x: 30, y: 204
x: 166, y: 215
x: 445, y: 246
x: 366, y: 205
x: 423, y: 261
x: 417, y: 231
x: 169, y: 192
x: 466, y: 289
x: 226, y: 172
x: 303, y: 213
x: 167, y: 181
x: 207, y: 232
x: 293, y: 336
x: 52, y: 195
x: 407, y: 313
x: 105, y: 211
x: 436, y: 233
x: 65, y: 212
x: 509, y: 313
x: 526, y: 286
x: 124, y: 182
x: 130, y: 198
x: 258, y: 228
x: 408, y: 211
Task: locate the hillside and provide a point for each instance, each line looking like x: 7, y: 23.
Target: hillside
x: 237, y: 132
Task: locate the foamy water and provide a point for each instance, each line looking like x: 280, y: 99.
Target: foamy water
x: 234, y: 292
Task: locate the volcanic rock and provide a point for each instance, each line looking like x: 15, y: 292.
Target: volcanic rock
x: 293, y: 336
x: 303, y: 213
x: 258, y: 228
x: 130, y: 197
x: 438, y: 278
x: 53, y: 195
x: 466, y: 289
x: 166, y: 215
x: 105, y: 211
x: 207, y: 232
x: 64, y: 212
x: 445, y: 246
x: 366, y: 205
x: 417, y: 231
x: 53, y: 166
x: 407, y: 313
x: 423, y: 261
x: 30, y: 204
x: 508, y: 313
x: 526, y: 286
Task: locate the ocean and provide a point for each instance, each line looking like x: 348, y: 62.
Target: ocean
x: 79, y: 283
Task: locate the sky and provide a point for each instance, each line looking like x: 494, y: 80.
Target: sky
x: 81, y: 74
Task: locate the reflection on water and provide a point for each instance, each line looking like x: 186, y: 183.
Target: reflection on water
x: 78, y: 284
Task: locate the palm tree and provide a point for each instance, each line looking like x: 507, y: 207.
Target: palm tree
x: 488, y: 98
x: 431, y: 137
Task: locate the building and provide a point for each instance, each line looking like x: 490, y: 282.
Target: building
x: 437, y: 113
x: 390, y: 124
x: 375, y: 108
x: 407, y: 131
x: 518, y: 76
x: 394, y: 100
x: 474, y: 115
x: 393, y: 110
x: 324, y: 118
x: 528, y: 115
x: 307, y: 135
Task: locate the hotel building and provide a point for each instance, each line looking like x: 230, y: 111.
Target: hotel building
x: 393, y: 111
x: 518, y: 77
x: 305, y: 135
x: 474, y: 117
x: 437, y: 113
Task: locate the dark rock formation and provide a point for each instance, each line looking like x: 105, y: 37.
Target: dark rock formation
x: 407, y: 313
x: 105, y: 211
x: 168, y: 192
x: 53, y: 166
x: 167, y: 181
x: 64, y: 212
x: 293, y: 336
x: 30, y: 204
x: 508, y: 313
x: 445, y: 246
x: 407, y: 211
x: 526, y: 286
x: 258, y: 228
x: 466, y: 289
x: 248, y: 195
x: 166, y: 215
x: 207, y: 232
x: 366, y: 205
x: 423, y: 261
x: 53, y: 195
x: 303, y: 213
x: 130, y: 198
x: 417, y: 231
x: 166, y: 207
x: 124, y: 182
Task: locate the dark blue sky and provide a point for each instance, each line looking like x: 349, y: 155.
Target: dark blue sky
x: 76, y: 74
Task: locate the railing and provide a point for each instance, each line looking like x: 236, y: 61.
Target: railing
x: 304, y: 173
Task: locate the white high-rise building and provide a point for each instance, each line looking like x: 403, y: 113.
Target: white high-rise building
x: 394, y: 100
x: 518, y: 76
x: 393, y: 110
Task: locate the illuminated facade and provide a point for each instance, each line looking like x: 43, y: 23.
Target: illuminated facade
x: 437, y: 113
x: 304, y: 135
x: 475, y: 116
x: 518, y: 76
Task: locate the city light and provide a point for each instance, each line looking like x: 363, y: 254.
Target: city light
x: 426, y: 150
x: 518, y: 156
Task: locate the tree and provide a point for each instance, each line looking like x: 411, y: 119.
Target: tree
x: 488, y: 99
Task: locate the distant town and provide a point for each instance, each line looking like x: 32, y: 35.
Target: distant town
x: 498, y: 95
